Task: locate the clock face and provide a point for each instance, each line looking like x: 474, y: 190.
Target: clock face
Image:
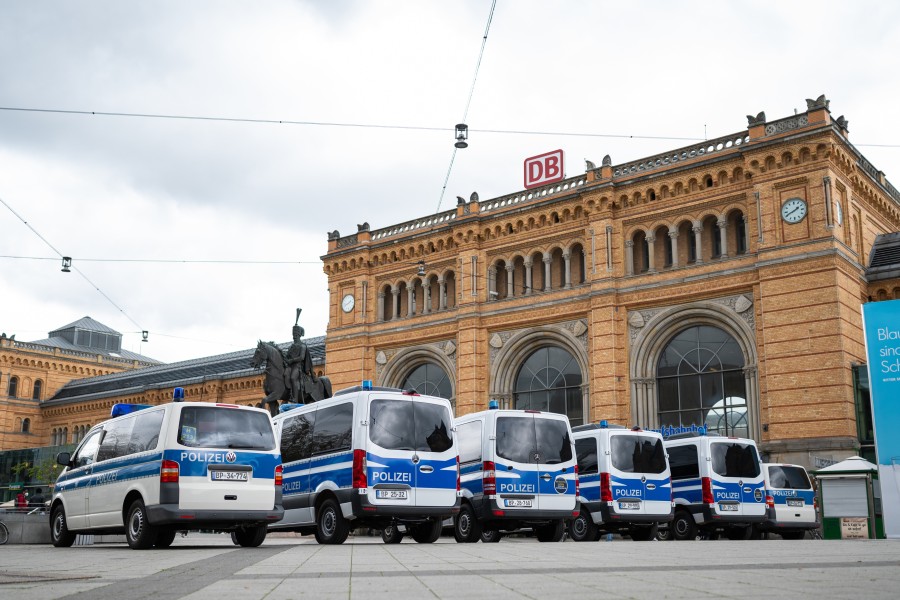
x: 348, y: 302
x: 793, y: 210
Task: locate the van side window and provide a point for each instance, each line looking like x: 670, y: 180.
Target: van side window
x: 145, y: 434
x: 296, y: 437
x: 683, y: 462
x: 333, y: 430
x: 789, y: 478
x: 469, y: 438
x: 586, y: 450
x: 85, y: 454
x: 116, y: 439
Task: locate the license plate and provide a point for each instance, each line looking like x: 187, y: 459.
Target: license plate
x: 629, y: 505
x: 517, y: 503
x: 391, y: 494
x: 795, y: 502
x: 230, y: 476
x: 728, y: 507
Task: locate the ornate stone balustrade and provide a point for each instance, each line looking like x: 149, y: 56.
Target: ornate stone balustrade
x: 532, y: 194
x: 688, y: 152
x: 431, y: 221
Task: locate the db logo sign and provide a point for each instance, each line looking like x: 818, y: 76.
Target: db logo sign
x: 543, y: 169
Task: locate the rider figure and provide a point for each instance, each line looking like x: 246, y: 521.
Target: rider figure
x: 299, y: 362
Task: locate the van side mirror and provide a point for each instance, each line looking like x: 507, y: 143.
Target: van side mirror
x: 64, y: 458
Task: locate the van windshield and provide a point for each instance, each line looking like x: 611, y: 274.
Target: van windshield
x: 410, y: 425
x: 784, y: 477
x: 637, y: 453
x: 531, y: 440
x: 734, y: 459
x: 221, y: 427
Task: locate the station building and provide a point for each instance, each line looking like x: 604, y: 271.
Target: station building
x: 715, y: 285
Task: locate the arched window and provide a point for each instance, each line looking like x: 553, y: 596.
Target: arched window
x: 429, y: 379
x: 38, y: 389
x: 13, y: 387
x: 550, y: 380
x: 26, y: 425
x: 700, y: 381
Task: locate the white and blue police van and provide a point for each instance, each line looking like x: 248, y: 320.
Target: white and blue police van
x: 626, y: 485
x: 157, y: 470
x: 517, y: 470
x: 791, y: 506
x: 717, y: 486
x: 372, y: 457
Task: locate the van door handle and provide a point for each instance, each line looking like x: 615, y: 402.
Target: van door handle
x: 546, y: 477
x: 426, y: 469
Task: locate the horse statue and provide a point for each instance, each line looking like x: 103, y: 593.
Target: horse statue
x: 277, y: 384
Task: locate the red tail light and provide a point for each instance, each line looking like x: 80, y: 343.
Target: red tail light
x: 815, y: 503
x: 605, y: 488
x: 707, y: 490
x: 770, y: 501
x: 457, y: 474
x: 359, y: 469
x: 489, y: 477
x: 168, y: 473
x: 577, y: 483
x: 279, y: 474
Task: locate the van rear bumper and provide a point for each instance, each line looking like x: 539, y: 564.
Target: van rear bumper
x: 363, y: 509
x: 704, y: 515
x: 170, y: 514
x: 776, y: 526
x: 606, y: 515
x: 489, y: 510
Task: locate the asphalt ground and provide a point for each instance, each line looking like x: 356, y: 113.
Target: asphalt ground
x: 208, y: 566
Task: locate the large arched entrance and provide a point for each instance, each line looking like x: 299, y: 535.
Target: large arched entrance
x: 550, y: 380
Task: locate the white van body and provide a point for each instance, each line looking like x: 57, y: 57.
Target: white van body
x: 717, y: 485
x: 790, y: 501
x: 626, y: 485
x: 369, y: 457
x: 175, y: 467
x: 518, y: 469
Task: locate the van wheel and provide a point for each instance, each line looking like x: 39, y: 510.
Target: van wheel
x: 551, y: 533
x: 391, y: 534
x: 428, y: 532
x: 644, y: 534
x: 664, y: 534
x: 249, y: 537
x: 139, y: 533
x: 59, y: 532
x: 490, y: 536
x: 331, y: 526
x: 683, y: 527
x: 165, y: 538
x: 466, y: 528
x: 583, y: 528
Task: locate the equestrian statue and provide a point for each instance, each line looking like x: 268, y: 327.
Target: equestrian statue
x: 289, y: 376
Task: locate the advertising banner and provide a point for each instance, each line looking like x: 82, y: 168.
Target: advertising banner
x: 881, y: 322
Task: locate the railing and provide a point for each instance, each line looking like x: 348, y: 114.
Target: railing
x: 879, y: 177
x: 532, y: 194
x: 67, y: 352
x: 438, y: 219
x: 688, y: 152
x: 788, y: 124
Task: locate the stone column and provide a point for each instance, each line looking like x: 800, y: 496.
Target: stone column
x: 547, y: 260
x: 380, y: 316
x: 651, y: 254
x: 567, y: 256
x: 698, y: 242
x: 410, y: 300
x: 396, y: 293
x: 528, y: 265
x: 509, y: 281
x: 673, y: 240
x: 442, y: 283
x: 426, y: 297
x: 629, y: 257
x: 723, y: 237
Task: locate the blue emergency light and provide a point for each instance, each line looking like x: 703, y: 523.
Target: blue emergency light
x: 604, y: 424
x: 289, y: 406
x: 367, y: 385
x: 178, y: 394
x: 126, y: 409
x: 493, y: 405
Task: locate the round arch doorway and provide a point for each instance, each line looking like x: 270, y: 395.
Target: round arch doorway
x: 550, y: 380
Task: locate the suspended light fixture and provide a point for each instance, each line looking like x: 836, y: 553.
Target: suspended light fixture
x: 145, y: 335
x: 421, y: 271
x: 462, y: 134
x: 66, y: 263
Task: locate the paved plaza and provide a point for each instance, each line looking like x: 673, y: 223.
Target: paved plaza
x: 209, y: 567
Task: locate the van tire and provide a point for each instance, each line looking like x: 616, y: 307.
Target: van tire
x: 59, y: 531
x: 551, y: 533
x: 428, y: 532
x: 643, y: 534
x: 683, y: 526
x: 582, y: 528
x: 664, y: 534
x: 466, y: 528
x: 331, y: 526
x: 249, y: 537
x: 139, y: 533
x: 165, y: 537
x: 490, y: 536
x: 391, y: 534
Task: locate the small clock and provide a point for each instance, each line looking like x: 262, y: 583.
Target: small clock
x: 794, y: 210
x: 838, y: 213
x: 347, y: 303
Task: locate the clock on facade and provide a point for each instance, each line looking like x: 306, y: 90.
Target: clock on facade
x: 348, y: 302
x: 793, y: 210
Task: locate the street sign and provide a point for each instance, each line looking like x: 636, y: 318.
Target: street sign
x: 544, y: 168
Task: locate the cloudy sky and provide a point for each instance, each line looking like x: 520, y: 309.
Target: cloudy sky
x: 208, y: 233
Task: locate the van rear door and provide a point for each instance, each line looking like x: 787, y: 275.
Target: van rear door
x: 639, y: 474
x: 555, y: 462
x: 516, y: 461
x: 792, y: 494
x: 737, y: 482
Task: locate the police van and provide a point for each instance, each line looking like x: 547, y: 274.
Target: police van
x: 369, y: 457
x: 790, y: 501
x: 157, y: 470
x: 625, y: 482
x: 717, y: 486
x: 517, y: 470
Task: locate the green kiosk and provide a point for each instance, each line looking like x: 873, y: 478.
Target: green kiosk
x: 850, y: 497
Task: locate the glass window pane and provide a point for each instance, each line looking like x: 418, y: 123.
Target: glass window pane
x: 433, y: 425
x: 689, y: 391
x: 470, y: 440
x: 668, y: 394
x: 734, y: 459
x: 333, y: 429
x: 221, y: 427
x: 586, y: 450
x: 515, y: 438
x: 553, y: 442
x: 296, y: 437
x: 391, y: 424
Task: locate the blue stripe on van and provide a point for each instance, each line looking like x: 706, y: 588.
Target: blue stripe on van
x: 194, y: 463
x: 782, y: 496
